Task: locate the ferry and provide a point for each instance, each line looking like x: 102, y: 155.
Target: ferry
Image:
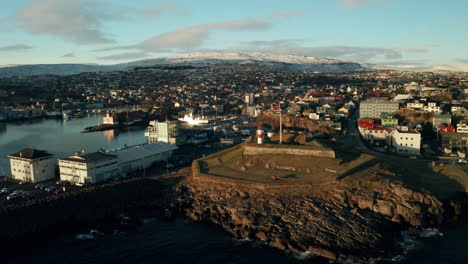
x: 195, y: 121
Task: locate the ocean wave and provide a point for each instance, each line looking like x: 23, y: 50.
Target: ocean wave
x: 91, y: 235
x: 303, y: 255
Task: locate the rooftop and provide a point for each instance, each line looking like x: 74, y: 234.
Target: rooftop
x: 29, y: 153
x: 90, y: 157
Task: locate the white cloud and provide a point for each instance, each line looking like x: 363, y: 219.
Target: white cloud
x: 125, y: 56
x: 77, y: 21
x: 69, y: 55
x: 158, y: 9
x: 193, y: 37
x: 462, y: 60
x: 355, y: 3
x: 17, y: 47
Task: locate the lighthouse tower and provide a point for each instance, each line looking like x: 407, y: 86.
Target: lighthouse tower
x: 259, y: 135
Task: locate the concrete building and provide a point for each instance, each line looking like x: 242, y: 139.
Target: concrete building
x: 406, y: 142
x: 89, y: 168
x: 374, y: 109
x: 141, y: 157
x: 32, y: 165
x: 249, y: 99
x: 167, y: 132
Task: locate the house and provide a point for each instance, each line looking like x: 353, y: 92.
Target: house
x: 415, y: 105
x: 452, y: 141
x: 462, y: 128
x: 460, y: 112
x: 446, y: 128
x: 32, y: 165
x: 406, y: 142
x: 389, y: 122
x: 110, y: 119
x: 441, y: 119
x: 376, y: 134
x: 432, y: 107
x: 88, y: 168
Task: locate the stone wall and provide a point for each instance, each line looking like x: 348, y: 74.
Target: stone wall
x: 259, y: 150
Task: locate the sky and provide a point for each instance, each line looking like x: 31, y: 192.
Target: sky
x: 415, y: 34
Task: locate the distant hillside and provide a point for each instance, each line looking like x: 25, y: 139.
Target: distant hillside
x: 276, y: 61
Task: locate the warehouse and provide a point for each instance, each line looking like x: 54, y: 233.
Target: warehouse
x: 143, y: 156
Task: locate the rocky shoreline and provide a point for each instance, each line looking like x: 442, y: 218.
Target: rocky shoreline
x: 346, y: 223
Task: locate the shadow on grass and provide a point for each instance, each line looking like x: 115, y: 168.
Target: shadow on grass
x: 421, y: 176
x: 361, y: 167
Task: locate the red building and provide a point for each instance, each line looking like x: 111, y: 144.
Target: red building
x: 366, y: 122
x: 446, y: 128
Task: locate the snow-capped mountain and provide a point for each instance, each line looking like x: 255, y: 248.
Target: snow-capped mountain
x: 281, y: 61
x: 277, y: 61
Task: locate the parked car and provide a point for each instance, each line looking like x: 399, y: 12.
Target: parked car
x: 17, y: 195
x: 462, y: 161
x: 5, y: 191
x: 44, y: 186
x: 23, y: 182
x: 51, y: 188
x: 41, y: 186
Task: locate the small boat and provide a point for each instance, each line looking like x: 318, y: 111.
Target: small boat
x: 54, y: 114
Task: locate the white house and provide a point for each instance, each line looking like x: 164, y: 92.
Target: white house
x: 462, y: 128
x: 88, y: 168
x: 110, y: 119
x: 406, y: 142
x: 432, y: 107
x: 376, y: 134
x: 32, y: 165
x: 415, y: 105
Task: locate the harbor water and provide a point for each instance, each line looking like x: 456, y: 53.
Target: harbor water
x: 62, y: 137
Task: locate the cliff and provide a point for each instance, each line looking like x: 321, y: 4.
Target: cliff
x: 358, y: 219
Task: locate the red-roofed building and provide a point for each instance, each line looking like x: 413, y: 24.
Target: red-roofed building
x: 446, y: 128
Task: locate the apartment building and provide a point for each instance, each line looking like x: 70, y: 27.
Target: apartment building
x: 374, y: 109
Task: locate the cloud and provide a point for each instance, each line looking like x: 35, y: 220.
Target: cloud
x: 69, y: 55
x: 125, y: 56
x: 273, y: 43
x: 355, y: 3
x: 159, y: 9
x: 287, y: 14
x: 353, y: 53
x: 462, y: 60
x: 193, y: 37
x: 17, y: 47
x: 77, y: 21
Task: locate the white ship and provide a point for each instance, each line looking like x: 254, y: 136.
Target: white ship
x: 195, y: 121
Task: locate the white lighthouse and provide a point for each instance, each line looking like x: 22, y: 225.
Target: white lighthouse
x: 259, y: 135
